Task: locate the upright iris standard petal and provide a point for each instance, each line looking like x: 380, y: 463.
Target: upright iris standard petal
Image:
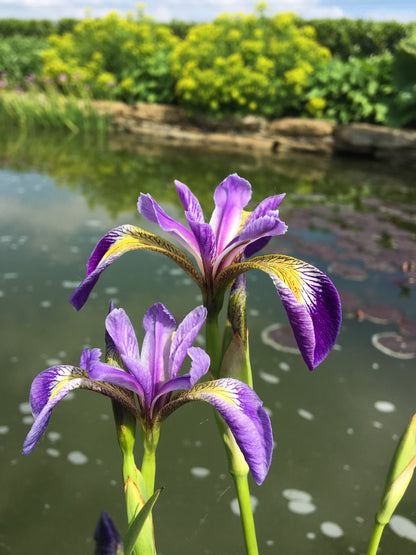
x: 185, y: 335
x: 243, y: 412
x: 159, y: 326
x: 230, y: 197
x: 151, y: 210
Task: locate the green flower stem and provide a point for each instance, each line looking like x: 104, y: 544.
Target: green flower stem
x: 150, y: 441
x: 213, y: 346
x: 237, y: 465
x: 239, y: 470
x: 134, y: 486
x: 375, y: 538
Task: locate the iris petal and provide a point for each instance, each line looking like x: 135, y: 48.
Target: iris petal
x: 151, y: 210
x: 310, y: 299
x: 243, y: 412
x: 190, y: 202
x: 230, y: 197
x: 185, y: 335
x: 52, y: 385
x: 118, y: 241
x: 199, y: 367
x: 122, y: 333
x: 159, y: 325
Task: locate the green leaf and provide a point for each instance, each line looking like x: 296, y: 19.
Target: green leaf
x: 137, y: 524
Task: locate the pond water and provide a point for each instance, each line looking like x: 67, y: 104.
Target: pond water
x: 335, y: 428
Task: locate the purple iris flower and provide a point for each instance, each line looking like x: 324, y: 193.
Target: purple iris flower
x: 223, y: 249
x: 149, y: 385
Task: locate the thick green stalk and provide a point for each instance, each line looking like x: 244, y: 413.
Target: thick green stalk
x: 375, y: 538
x: 213, y: 346
x: 134, y: 485
x: 239, y: 470
x: 237, y: 465
x: 150, y: 440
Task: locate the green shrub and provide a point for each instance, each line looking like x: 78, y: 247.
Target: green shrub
x: 115, y: 57
x: 402, y: 111
x: 20, y: 57
x: 357, y: 37
x: 39, y: 28
x: 246, y: 64
x: 358, y: 90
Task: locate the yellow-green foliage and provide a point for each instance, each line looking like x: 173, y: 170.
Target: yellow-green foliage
x: 113, y: 57
x: 246, y: 63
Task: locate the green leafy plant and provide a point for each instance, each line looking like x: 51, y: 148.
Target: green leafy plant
x: 402, y: 111
x: 20, y: 57
x: 246, y: 64
x: 357, y: 90
x: 114, y: 57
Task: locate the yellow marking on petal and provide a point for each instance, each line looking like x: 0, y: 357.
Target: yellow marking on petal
x: 244, y: 217
x: 292, y: 272
x: 126, y: 243
x: 62, y: 381
x: 213, y: 388
x: 290, y: 275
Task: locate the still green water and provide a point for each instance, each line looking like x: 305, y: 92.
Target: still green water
x: 335, y: 428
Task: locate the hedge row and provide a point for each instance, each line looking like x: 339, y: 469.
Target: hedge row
x: 343, y: 37
x: 238, y: 64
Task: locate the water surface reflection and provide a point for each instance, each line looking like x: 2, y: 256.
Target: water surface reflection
x: 335, y: 428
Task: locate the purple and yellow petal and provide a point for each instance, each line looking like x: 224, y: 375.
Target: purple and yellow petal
x: 309, y: 297
x: 243, y: 412
x: 52, y: 385
x: 118, y: 241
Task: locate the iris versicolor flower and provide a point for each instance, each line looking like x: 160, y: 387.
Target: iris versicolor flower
x: 149, y: 385
x: 222, y: 249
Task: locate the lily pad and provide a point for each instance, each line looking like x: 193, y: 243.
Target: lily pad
x: 394, y: 345
x: 281, y: 338
x: 380, y: 314
x: 348, y: 271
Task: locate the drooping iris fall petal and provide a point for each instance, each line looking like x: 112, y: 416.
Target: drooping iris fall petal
x: 243, y: 412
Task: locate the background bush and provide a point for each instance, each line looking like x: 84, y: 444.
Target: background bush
x: 246, y: 64
x: 20, y: 57
x: 343, y: 70
x: 357, y: 90
x: 402, y: 111
x: 114, y: 57
x: 357, y: 37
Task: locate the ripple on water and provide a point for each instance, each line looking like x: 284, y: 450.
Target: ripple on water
x: 300, y: 502
x: 200, y: 472
x: 76, y: 457
x: 305, y: 414
x: 235, y: 509
x: 269, y: 378
x: 25, y: 408
x: 384, y: 406
x: 403, y: 527
x: 331, y: 529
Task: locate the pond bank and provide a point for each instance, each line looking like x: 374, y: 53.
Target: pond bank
x: 171, y: 124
